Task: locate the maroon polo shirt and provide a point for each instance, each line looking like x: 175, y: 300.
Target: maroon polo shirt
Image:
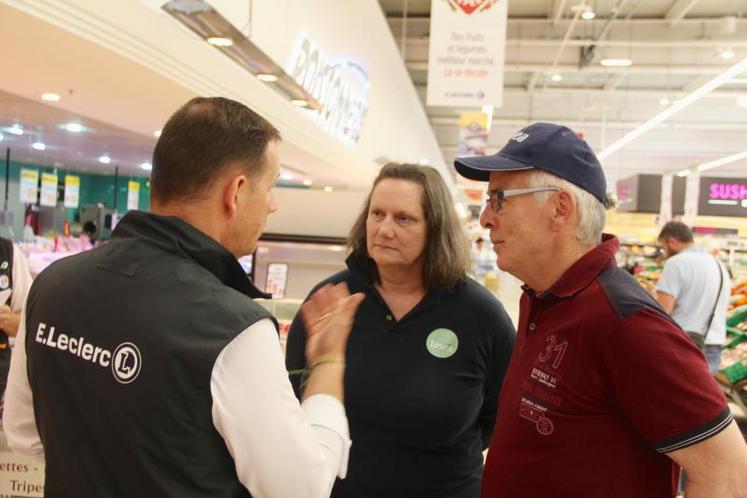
x: 602, y: 383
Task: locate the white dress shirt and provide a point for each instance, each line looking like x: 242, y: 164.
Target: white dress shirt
x: 280, y: 448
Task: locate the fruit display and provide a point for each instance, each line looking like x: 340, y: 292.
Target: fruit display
x: 733, y: 373
x: 647, y: 275
x: 738, y: 294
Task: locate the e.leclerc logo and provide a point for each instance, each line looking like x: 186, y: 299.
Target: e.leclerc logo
x: 125, y: 362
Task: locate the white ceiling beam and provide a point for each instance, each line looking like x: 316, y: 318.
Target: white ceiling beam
x: 532, y: 82
x: 573, y: 68
x: 613, y: 81
x: 561, y: 47
x: 678, y: 10
x: 557, y: 11
x: 585, y: 42
x: 600, y: 92
x: 627, y: 43
x: 696, y: 82
x: 588, y: 124
x: 543, y: 21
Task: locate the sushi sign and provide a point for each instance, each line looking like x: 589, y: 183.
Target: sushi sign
x: 723, y: 197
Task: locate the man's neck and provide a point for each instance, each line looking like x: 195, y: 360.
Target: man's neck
x: 553, y: 264
x: 682, y: 248
x: 194, y: 214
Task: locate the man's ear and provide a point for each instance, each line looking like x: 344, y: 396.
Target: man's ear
x: 564, y: 205
x: 232, y: 193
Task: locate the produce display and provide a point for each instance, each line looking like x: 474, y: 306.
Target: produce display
x: 733, y: 373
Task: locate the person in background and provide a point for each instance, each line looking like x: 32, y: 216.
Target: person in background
x: 89, y: 230
x: 606, y: 395
x: 15, y: 281
x: 144, y: 369
x: 428, y: 350
x: 482, y: 261
x: 694, y: 289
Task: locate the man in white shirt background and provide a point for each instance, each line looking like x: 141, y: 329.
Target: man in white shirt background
x: 694, y: 289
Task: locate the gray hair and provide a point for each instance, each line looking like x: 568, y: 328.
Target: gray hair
x: 592, y: 214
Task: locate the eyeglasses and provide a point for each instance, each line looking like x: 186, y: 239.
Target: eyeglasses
x: 496, y: 197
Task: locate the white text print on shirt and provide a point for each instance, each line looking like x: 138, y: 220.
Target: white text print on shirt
x: 125, y: 362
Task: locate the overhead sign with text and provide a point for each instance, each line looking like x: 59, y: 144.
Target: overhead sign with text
x: 340, y: 84
x: 722, y: 197
x: 466, y: 53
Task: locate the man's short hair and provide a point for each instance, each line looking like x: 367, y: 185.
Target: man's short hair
x: 678, y: 231
x: 592, y: 214
x: 202, y: 140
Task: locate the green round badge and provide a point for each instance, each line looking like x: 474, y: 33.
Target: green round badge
x: 442, y: 343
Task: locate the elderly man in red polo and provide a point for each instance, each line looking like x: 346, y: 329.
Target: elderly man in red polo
x: 605, y: 395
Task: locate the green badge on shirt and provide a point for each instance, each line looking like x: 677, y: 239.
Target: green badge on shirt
x: 442, y: 343
x: 4, y: 266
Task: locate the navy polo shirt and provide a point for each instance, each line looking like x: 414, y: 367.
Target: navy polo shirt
x: 601, y: 385
x: 420, y: 392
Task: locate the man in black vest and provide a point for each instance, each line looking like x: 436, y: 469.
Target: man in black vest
x: 143, y: 367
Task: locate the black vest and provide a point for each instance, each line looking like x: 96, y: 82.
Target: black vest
x: 6, y: 282
x: 121, y: 344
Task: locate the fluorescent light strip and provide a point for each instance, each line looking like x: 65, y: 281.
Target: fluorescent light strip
x: 683, y: 173
x: 676, y: 107
x: 722, y: 161
x: 723, y: 203
x: 616, y: 62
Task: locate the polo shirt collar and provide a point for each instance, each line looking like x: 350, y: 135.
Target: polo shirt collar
x: 364, y: 272
x: 583, y: 272
x: 178, y: 237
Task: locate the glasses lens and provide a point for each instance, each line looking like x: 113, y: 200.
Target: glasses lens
x: 495, y: 200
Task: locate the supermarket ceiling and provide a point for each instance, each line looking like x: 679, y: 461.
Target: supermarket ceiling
x: 118, y: 101
x: 675, y: 46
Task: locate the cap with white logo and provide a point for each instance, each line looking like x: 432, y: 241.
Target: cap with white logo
x: 553, y: 148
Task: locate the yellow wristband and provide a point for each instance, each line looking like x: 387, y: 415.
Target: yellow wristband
x: 330, y: 360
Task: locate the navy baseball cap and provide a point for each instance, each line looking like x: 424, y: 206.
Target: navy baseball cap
x: 553, y: 148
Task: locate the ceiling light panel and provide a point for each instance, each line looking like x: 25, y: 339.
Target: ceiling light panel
x: 207, y: 23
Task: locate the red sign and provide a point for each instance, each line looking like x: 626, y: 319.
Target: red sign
x: 470, y: 6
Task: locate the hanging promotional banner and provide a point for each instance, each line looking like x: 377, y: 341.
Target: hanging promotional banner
x: 692, y: 194
x: 473, y: 134
x: 466, y: 54
x: 29, y: 188
x: 48, y: 190
x: 133, y: 195
x: 665, y: 208
x: 72, y: 191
